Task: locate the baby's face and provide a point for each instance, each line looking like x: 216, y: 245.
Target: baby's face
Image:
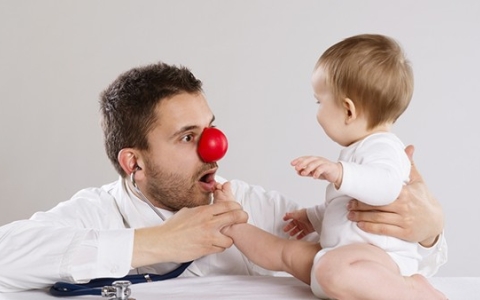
x: 330, y: 115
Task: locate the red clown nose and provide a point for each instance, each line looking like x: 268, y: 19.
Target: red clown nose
x: 212, y: 145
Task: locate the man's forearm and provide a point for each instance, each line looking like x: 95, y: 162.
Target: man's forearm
x: 36, y: 255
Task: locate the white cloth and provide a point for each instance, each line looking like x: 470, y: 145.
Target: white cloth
x: 91, y: 236
x: 374, y: 171
x: 240, y: 287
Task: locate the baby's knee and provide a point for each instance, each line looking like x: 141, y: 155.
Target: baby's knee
x: 328, y: 273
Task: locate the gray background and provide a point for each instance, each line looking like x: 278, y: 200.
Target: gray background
x: 255, y: 59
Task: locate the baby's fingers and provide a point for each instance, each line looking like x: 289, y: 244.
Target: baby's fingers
x: 292, y: 229
x: 312, y: 168
x: 289, y: 226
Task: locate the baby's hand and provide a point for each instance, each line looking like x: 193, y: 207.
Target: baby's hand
x: 299, y: 224
x: 223, y: 192
x: 319, y: 168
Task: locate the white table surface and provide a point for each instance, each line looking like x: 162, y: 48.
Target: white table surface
x: 247, y: 287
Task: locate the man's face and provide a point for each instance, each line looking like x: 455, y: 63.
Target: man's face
x: 175, y: 175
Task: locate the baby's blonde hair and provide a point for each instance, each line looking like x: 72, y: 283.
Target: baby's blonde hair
x: 372, y: 71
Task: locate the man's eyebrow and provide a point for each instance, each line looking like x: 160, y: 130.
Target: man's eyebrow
x: 184, y: 129
x: 189, y: 128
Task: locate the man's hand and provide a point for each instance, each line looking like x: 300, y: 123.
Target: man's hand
x: 191, y: 233
x: 416, y: 215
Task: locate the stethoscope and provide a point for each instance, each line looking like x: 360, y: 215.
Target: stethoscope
x: 142, y: 196
x: 212, y: 146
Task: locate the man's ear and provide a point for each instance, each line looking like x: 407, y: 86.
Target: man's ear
x: 350, y: 110
x: 128, y: 160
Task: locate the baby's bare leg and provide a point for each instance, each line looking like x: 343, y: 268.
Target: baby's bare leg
x: 272, y: 252
x: 363, y: 271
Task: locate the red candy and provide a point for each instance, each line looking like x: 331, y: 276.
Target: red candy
x: 212, y: 145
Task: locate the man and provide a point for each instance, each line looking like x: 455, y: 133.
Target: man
x: 158, y: 214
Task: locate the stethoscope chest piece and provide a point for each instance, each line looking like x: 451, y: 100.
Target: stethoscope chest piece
x: 119, y: 290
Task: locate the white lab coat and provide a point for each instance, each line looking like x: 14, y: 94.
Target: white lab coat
x: 91, y: 236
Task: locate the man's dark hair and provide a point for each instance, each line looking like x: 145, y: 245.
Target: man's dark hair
x: 128, y: 104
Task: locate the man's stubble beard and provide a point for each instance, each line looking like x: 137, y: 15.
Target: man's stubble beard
x: 172, y: 191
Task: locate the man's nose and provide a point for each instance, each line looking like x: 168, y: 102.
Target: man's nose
x: 212, y: 145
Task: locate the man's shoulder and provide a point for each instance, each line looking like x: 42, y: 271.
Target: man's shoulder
x: 91, y: 198
x: 89, y: 207
x: 240, y: 187
x: 256, y: 196
x: 97, y: 193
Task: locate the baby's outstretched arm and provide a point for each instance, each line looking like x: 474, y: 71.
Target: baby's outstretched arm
x: 319, y: 168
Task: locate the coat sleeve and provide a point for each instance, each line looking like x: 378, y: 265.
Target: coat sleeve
x: 75, y: 242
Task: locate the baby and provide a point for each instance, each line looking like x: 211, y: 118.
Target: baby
x: 362, y: 85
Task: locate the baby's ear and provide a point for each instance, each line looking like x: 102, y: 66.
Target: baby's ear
x: 350, y: 110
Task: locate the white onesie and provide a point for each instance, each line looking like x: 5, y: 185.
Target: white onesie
x: 374, y: 171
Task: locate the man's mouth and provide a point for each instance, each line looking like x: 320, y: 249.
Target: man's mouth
x: 207, y: 180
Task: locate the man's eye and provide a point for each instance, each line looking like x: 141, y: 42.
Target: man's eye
x: 187, y: 138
